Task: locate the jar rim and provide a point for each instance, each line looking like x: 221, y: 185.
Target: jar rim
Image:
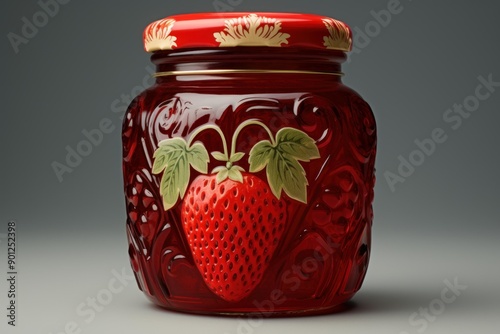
x: 240, y: 60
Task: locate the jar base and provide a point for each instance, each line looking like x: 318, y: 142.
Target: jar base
x: 343, y: 304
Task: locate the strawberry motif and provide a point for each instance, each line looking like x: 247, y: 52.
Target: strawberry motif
x: 233, y: 229
x: 233, y: 220
x: 144, y: 210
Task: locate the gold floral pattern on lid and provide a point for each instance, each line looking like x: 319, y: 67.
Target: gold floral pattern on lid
x: 252, y: 30
x: 157, y: 35
x: 248, y: 29
x: 340, y: 35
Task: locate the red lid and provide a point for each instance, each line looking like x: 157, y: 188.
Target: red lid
x: 247, y: 29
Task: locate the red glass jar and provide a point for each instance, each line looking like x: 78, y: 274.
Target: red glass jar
x: 249, y: 167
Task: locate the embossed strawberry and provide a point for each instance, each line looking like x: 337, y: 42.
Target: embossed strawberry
x: 232, y: 219
x: 233, y: 229
x: 144, y: 213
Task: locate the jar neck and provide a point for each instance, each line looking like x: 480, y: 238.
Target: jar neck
x: 247, y: 60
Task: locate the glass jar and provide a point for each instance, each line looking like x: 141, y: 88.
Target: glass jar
x: 249, y: 167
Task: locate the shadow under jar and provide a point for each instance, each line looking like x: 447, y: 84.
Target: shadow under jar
x: 249, y: 167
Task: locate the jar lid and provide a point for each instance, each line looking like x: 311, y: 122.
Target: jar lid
x: 247, y: 29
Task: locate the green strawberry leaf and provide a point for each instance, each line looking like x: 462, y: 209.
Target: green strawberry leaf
x: 174, y: 181
x: 236, y: 157
x: 281, y: 160
x: 222, y: 175
x: 198, y: 157
x: 285, y: 172
x: 235, y: 174
x: 218, y: 169
x: 173, y: 157
x: 259, y: 155
x: 220, y: 156
x: 167, y: 151
x: 297, y: 144
x: 160, y: 162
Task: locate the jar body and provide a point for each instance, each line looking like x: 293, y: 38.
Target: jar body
x: 286, y: 228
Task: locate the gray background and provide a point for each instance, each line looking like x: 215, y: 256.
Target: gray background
x: 440, y: 224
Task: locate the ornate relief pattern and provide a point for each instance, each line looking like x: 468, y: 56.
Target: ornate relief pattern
x: 337, y: 217
x: 340, y: 35
x: 157, y: 35
x: 252, y: 30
